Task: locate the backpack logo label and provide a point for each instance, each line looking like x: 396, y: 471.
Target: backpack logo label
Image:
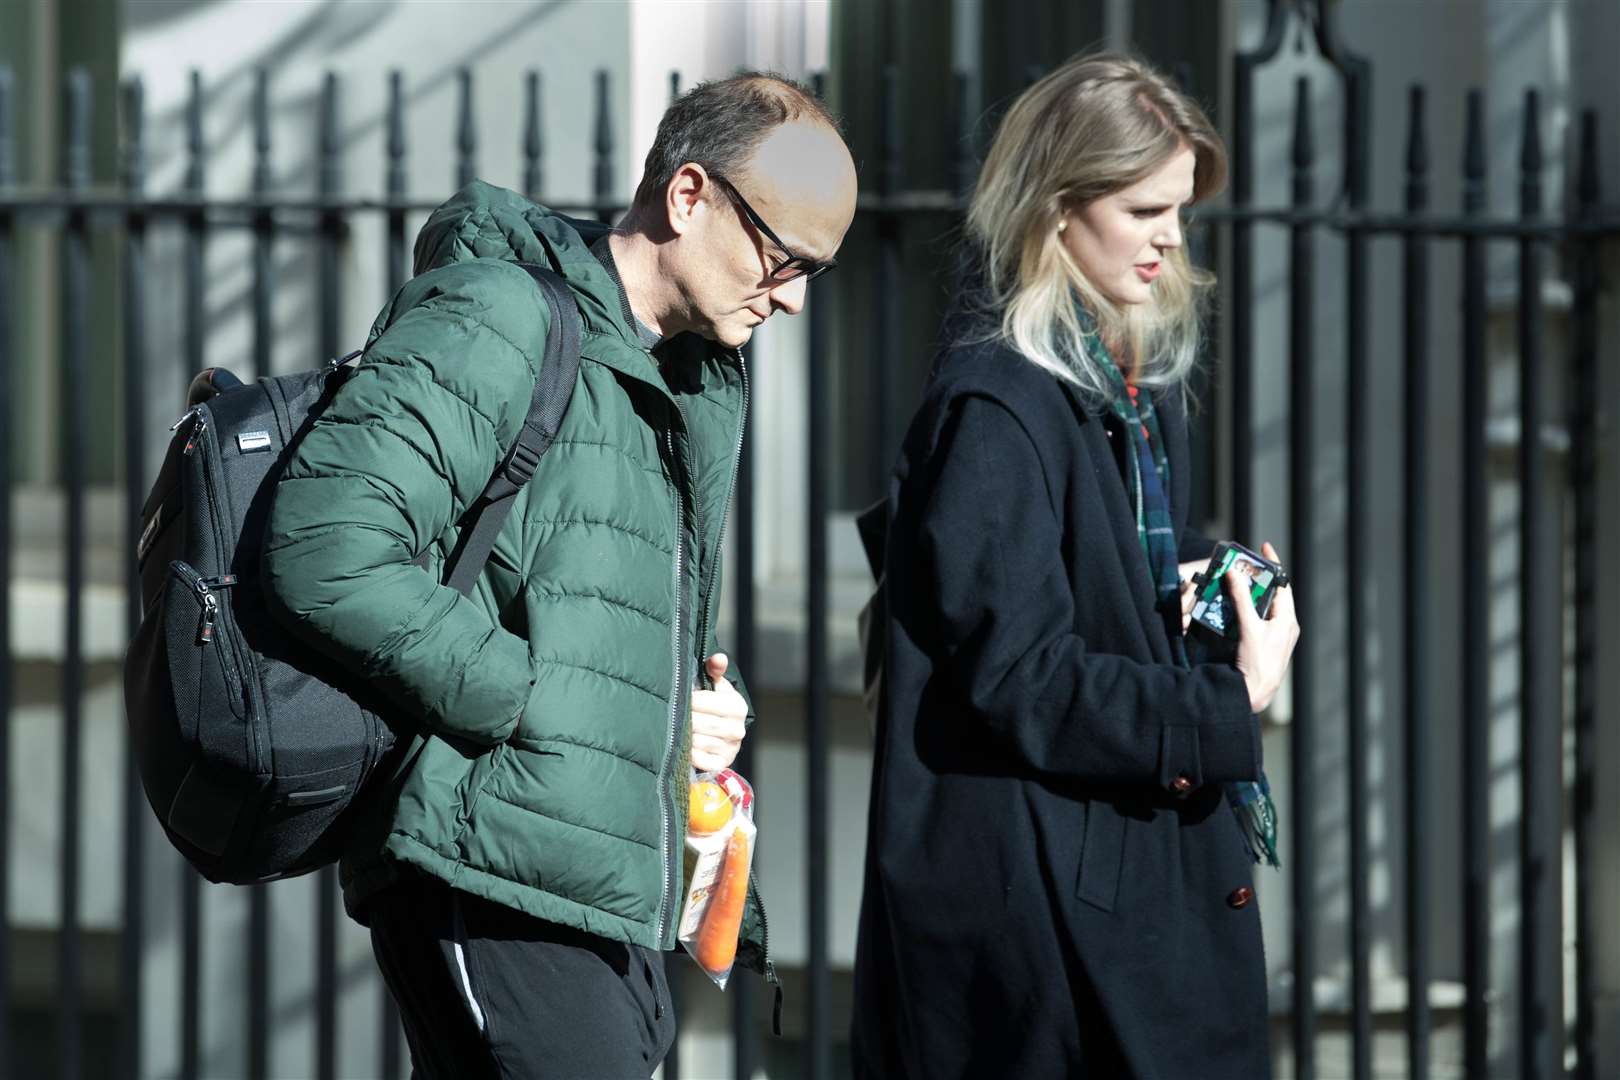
x: 148, y: 534
x: 252, y: 442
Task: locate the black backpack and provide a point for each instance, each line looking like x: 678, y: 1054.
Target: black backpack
x: 251, y: 747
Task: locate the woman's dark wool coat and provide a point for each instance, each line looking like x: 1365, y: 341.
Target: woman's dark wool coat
x: 1055, y: 886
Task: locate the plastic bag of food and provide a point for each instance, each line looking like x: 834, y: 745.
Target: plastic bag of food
x: 719, y: 851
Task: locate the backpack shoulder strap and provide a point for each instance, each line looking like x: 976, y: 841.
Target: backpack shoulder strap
x: 559, y: 371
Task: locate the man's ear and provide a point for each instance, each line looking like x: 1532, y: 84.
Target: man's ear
x: 684, y: 196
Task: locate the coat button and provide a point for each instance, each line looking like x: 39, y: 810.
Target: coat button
x: 1239, y: 897
x: 1182, y: 784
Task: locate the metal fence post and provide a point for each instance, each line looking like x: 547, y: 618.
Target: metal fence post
x: 745, y: 1052
x: 1476, y: 719
x: 1540, y: 772
x: 329, y: 239
x: 396, y: 267
x: 131, y: 940
x: 1357, y: 151
x: 964, y: 149
x: 1239, y: 364
x: 7, y: 236
x: 196, y: 225
x: 889, y: 273
x: 258, y: 943
x: 1584, y: 474
x: 818, y: 1051
x: 1415, y: 366
x: 466, y: 132
x: 1301, y: 500
x: 602, y: 174
x: 74, y: 414
x: 534, y: 147
x: 396, y: 260
x: 263, y: 224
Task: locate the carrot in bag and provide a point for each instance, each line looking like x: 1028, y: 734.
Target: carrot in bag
x: 716, y: 945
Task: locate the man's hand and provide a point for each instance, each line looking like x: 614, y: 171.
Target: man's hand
x: 719, y: 720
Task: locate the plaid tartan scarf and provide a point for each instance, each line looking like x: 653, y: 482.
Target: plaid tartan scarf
x: 1150, y: 483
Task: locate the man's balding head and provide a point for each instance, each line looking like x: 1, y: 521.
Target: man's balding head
x: 748, y: 179
x: 719, y: 125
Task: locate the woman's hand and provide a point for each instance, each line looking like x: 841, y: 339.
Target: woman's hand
x: 719, y: 720
x: 1189, y: 592
x: 1265, y: 646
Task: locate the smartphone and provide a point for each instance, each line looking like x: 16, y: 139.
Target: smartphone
x: 1212, y: 610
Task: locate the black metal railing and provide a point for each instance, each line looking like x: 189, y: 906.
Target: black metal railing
x: 73, y: 209
x: 1540, y: 1036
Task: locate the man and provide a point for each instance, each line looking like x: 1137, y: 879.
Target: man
x: 523, y: 869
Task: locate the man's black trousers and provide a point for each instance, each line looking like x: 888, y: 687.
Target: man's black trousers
x: 486, y: 991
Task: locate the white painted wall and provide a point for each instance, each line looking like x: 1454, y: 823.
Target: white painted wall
x: 300, y: 42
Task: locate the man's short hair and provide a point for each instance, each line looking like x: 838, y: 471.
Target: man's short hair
x: 720, y: 124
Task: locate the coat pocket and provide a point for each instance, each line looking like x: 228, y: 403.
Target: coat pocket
x: 1102, y: 855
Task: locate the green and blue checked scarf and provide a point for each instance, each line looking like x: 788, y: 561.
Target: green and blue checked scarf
x: 1150, y: 484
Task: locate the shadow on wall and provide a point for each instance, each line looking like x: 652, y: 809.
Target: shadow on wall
x: 329, y: 29
x: 231, y: 41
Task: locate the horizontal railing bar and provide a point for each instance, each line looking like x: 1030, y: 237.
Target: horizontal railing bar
x: 1442, y: 226
x: 246, y: 212
x: 248, y: 208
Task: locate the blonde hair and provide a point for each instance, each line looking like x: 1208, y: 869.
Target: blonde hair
x: 1096, y: 125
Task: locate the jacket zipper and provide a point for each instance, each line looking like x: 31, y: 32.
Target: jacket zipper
x: 671, y: 738
x: 771, y: 978
x: 764, y: 931
x: 725, y: 513
x: 665, y: 848
x: 703, y: 629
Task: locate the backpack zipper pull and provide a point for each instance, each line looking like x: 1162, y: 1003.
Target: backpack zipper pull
x: 196, y: 433
x: 205, y: 622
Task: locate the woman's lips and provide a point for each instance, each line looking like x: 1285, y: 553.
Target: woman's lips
x: 1148, y: 271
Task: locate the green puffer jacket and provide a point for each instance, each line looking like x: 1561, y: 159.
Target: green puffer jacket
x: 547, y: 715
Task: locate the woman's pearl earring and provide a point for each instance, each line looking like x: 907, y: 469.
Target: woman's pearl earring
x: 1062, y: 225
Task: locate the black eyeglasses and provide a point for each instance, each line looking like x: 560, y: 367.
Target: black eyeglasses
x: 794, y: 266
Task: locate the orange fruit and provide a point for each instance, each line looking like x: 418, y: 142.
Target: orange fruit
x: 710, y: 808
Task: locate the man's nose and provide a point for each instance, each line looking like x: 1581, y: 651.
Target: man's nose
x: 789, y: 296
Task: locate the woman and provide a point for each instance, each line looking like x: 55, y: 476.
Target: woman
x: 1065, y: 812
